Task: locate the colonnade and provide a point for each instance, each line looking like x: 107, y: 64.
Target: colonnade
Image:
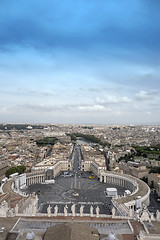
x: 39, y: 175
x: 118, y: 180
x: 136, y: 187
x: 35, y: 179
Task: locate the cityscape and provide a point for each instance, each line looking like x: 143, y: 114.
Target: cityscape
x: 106, y: 177
x: 79, y: 120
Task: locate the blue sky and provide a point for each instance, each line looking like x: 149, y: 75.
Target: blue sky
x: 83, y: 61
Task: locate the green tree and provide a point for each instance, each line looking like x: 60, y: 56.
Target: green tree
x: 20, y: 169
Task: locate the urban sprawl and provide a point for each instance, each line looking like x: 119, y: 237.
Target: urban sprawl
x: 103, y: 174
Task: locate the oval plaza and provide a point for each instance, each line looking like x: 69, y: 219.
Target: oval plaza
x: 78, y: 182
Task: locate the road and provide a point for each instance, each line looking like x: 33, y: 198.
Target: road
x: 76, y: 160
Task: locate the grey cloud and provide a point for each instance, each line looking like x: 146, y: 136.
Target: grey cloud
x: 47, y: 108
x: 94, y: 89
x: 39, y: 108
x: 62, y: 108
x: 43, y: 92
x: 146, y: 95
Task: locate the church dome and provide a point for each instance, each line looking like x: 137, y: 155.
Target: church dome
x: 30, y: 236
x: 111, y: 236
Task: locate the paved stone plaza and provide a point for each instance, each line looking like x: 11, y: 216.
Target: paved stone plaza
x: 90, y: 190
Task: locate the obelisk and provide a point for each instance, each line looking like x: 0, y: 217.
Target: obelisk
x: 75, y: 186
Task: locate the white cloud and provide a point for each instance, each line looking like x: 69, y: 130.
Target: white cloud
x: 125, y: 99
x: 113, y: 99
x: 92, y: 108
x: 148, y: 113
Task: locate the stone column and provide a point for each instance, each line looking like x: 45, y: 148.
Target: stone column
x: 109, y: 179
x: 122, y: 182
x: 100, y: 178
x: 113, y: 212
x: 16, y: 210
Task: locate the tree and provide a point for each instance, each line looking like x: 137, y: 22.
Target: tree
x: 46, y: 141
x: 144, y: 155
x: 20, y: 169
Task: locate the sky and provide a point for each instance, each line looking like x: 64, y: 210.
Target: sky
x: 82, y: 62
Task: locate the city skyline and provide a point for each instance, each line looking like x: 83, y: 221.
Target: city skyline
x: 85, y: 62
